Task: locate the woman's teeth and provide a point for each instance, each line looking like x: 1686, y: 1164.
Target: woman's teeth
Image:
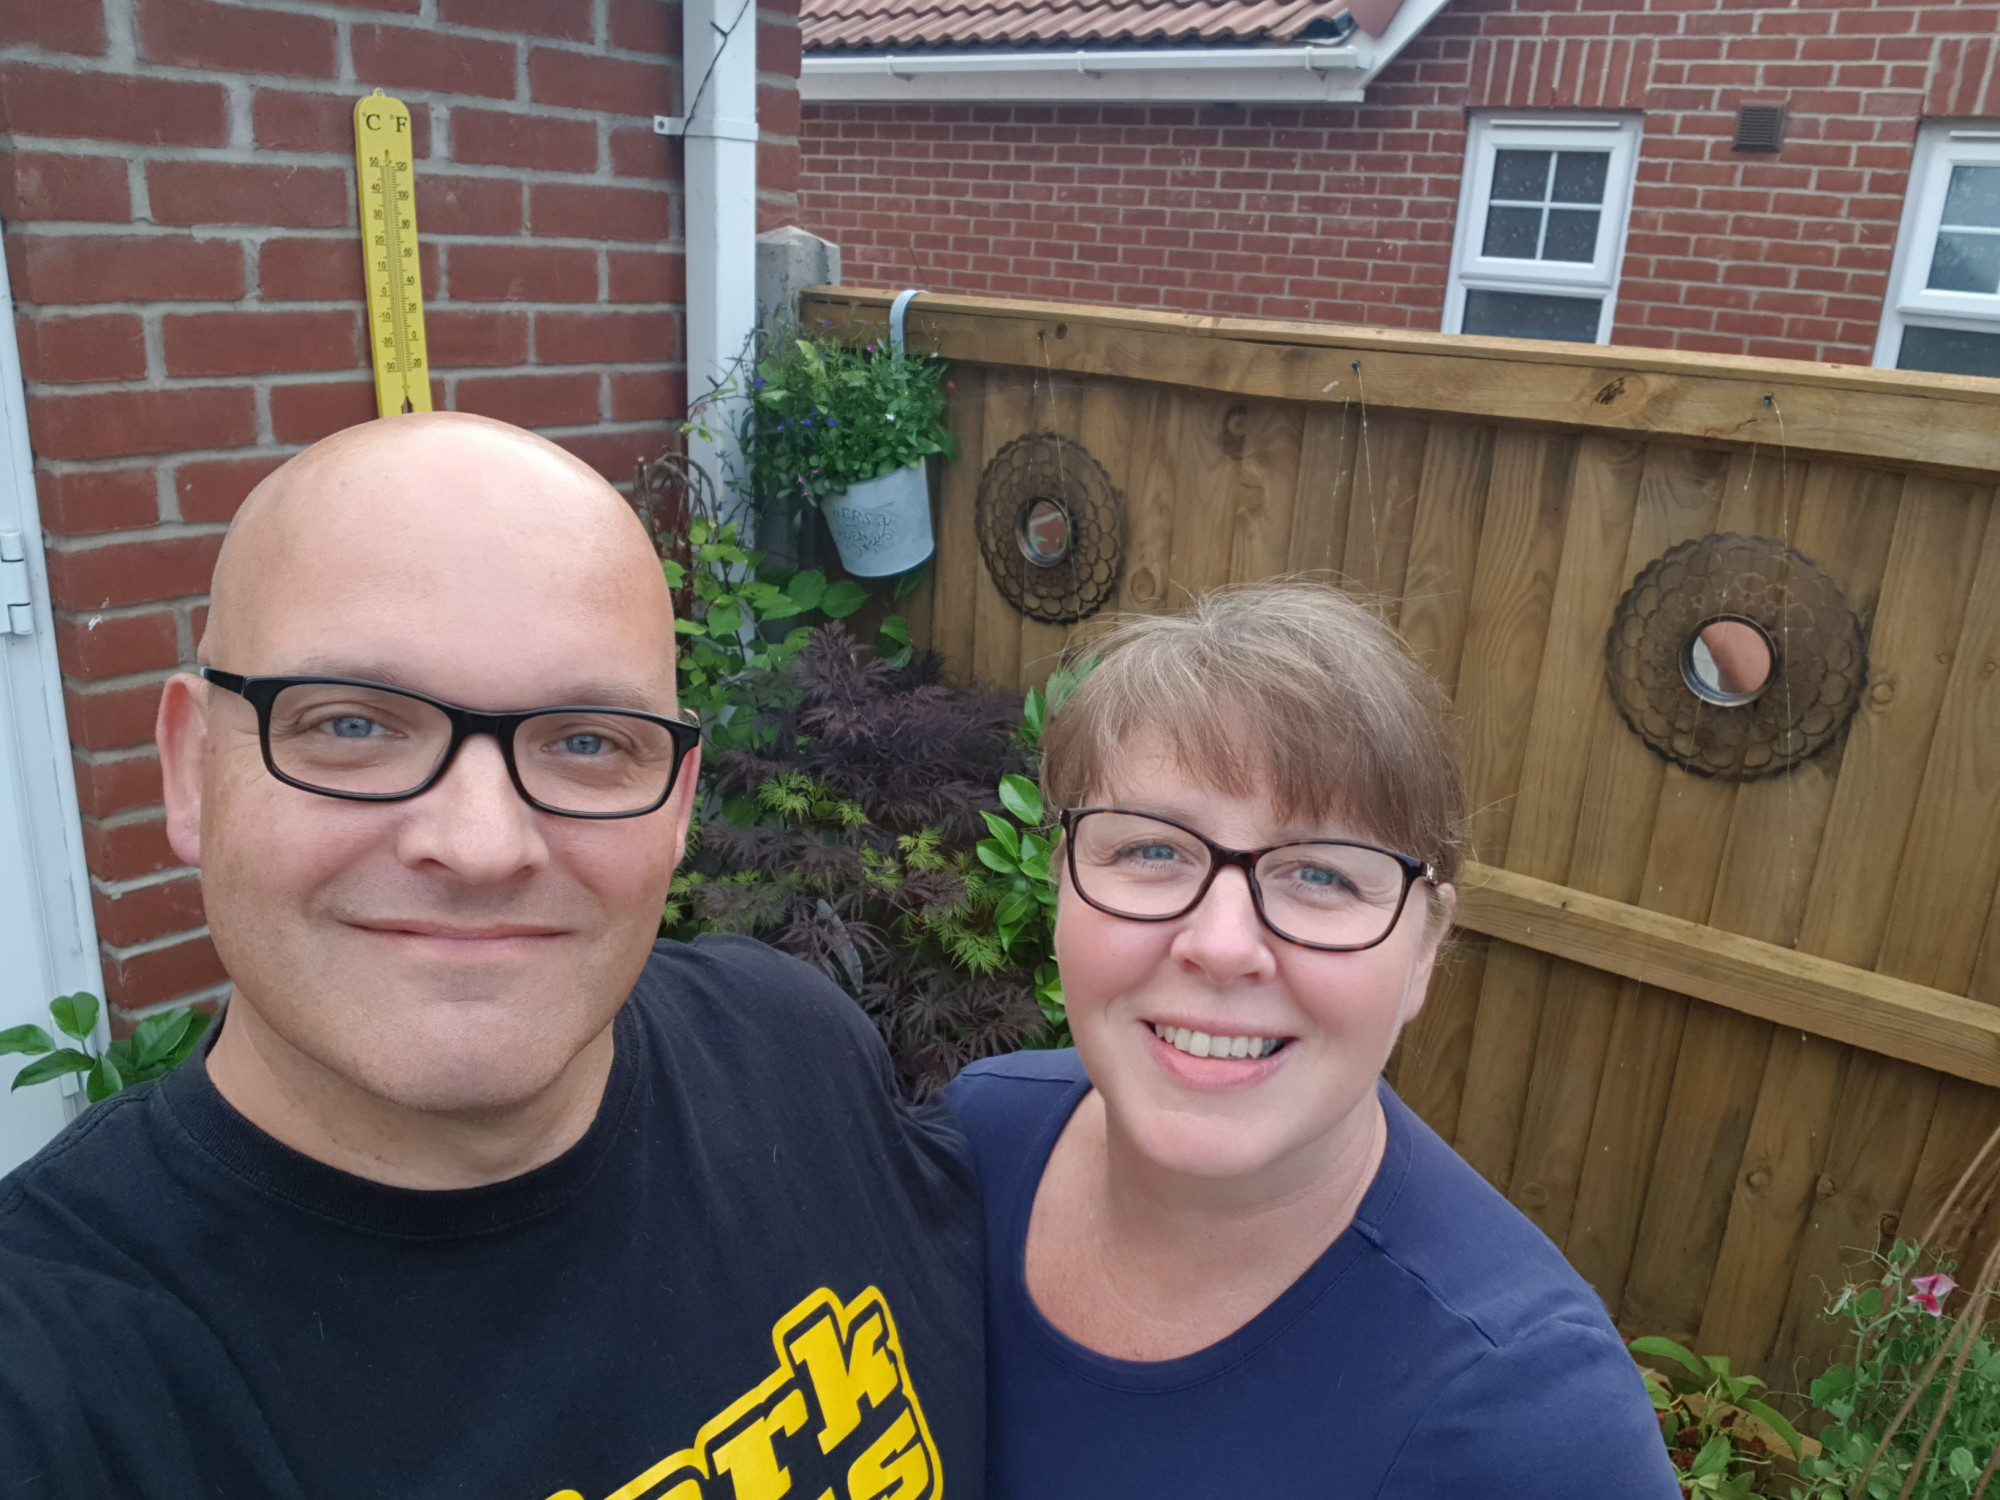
x: 1201, y: 1044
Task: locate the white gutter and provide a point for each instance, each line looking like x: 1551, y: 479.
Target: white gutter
x: 719, y: 138
x: 1331, y: 73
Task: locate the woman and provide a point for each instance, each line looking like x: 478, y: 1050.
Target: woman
x: 1224, y: 1261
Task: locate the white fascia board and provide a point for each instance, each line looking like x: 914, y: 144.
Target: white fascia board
x: 1219, y: 75
x: 1335, y: 74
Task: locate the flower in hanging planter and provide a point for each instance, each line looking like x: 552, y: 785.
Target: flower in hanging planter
x: 1931, y: 1291
x: 830, y: 415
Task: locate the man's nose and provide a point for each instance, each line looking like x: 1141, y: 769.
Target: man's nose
x: 474, y: 822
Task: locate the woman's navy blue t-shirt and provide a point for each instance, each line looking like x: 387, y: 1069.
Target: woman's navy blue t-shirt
x: 1440, y: 1347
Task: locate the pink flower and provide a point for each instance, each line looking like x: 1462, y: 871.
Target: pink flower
x: 1931, y: 1291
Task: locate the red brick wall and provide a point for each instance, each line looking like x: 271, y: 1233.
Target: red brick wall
x: 1346, y: 213
x: 180, y: 226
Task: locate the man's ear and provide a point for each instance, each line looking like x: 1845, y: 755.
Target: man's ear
x: 683, y: 802
x: 181, y: 730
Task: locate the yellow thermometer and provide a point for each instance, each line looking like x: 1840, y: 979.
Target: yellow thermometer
x: 386, y: 171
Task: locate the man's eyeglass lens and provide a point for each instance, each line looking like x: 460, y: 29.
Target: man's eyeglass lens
x: 1340, y: 895
x: 377, y: 742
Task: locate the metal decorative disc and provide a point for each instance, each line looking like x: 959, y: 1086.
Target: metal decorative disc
x: 1735, y: 657
x: 1051, y: 527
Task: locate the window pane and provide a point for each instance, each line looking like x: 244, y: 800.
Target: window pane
x: 1950, y: 351
x: 1521, y: 174
x: 1572, y: 234
x: 1965, y: 263
x: 1580, y: 176
x: 1512, y: 232
x: 1529, y: 315
x: 1973, y: 197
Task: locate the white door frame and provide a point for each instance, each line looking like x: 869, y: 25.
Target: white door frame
x: 48, y: 932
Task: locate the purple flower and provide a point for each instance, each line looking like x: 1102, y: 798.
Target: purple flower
x: 758, y: 384
x: 833, y: 421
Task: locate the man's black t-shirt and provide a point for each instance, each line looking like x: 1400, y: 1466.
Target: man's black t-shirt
x: 756, y: 1276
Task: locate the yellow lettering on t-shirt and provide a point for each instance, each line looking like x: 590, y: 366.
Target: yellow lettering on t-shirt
x: 848, y: 1358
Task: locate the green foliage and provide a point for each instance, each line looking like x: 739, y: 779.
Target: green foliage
x: 1719, y: 1430
x: 827, y: 415
x: 1906, y: 1339
x: 159, y: 1042
x: 733, y: 650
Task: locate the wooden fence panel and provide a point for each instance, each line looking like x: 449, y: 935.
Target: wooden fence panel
x: 1713, y: 1036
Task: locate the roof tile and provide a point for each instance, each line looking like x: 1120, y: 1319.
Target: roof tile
x: 841, y: 25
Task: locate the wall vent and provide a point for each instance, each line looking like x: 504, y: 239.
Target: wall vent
x: 1760, y: 127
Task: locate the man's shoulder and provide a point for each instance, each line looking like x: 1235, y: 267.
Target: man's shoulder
x: 757, y: 1012
x: 97, y: 1159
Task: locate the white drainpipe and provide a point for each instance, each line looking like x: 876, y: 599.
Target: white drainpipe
x: 719, y: 187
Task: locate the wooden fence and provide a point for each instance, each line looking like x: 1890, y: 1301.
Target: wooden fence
x: 1712, y: 1036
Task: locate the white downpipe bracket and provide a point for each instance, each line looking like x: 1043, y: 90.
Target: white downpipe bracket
x: 719, y: 142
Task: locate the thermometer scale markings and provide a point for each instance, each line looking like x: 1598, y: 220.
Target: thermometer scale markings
x: 386, y: 172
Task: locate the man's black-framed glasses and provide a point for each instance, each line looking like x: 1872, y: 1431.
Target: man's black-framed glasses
x: 364, y: 742
x: 1336, y: 895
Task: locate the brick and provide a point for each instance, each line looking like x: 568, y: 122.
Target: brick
x: 141, y: 572
x: 75, y: 26
x: 611, y: 338
x: 462, y: 337
x: 589, y: 211
x: 648, y: 395
x: 46, y: 185
x: 310, y: 270
x: 127, y: 850
x: 212, y: 489
x: 142, y: 913
x: 563, y: 19
x: 468, y: 205
x: 523, y: 273
x: 778, y: 110
x: 612, y: 85
x: 644, y: 26
x: 112, y: 107
x: 294, y: 120
x: 640, y: 151
x: 118, y: 424
x: 106, y: 787
x: 100, y: 346
x: 646, y: 276
x: 260, y: 343
x: 305, y: 413
x: 218, y: 192
x: 500, y: 138
x: 236, y: 39
x: 76, y: 502
x: 93, y: 648
x: 615, y: 454
x: 112, y: 718
x: 403, y: 7
x: 158, y: 975
x: 531, y: 400
x: 50, y: 268
x: 778, y: 48
x: 411, y: 57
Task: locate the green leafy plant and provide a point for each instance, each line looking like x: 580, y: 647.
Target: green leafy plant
x: 1719, y: 1430
x: 1019, y: 851
x: 156, y: 1045
x: 1916, y: 1409
x: 826, y: 415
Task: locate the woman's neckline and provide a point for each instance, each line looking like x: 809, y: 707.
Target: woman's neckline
x: 1229, y: 1350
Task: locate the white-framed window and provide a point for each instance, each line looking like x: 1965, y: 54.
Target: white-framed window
x: 1541, y: 226
x: 1943, y: 308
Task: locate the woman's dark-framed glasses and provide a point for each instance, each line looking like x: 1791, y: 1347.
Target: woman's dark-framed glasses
x: 1336, y: 895
x: 363, y: 742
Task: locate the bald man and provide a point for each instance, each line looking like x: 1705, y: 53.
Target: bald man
x: 478, y: 1190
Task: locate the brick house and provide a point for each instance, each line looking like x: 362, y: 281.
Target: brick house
x: 180, y: 224
x: 1817, y: 179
